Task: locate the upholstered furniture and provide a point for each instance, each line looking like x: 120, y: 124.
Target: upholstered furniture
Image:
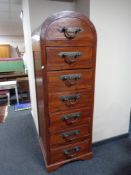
x: 11, y: 65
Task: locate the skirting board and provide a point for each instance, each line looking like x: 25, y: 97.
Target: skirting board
x: 111, y: 139
x: 36, y: 124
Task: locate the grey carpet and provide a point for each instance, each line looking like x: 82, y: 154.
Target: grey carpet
x: 20, y: 153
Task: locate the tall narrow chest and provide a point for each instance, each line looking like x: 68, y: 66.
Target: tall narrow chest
x: 64, y: 49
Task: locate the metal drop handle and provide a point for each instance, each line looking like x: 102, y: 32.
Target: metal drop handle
x: 71, y: 152
x: 71, y: 116
x: 70, y: 77
x: 70, y: 32
x: 70, y: 100
x: 70, y: 54
x: 70, y: 57
x: 70, y: 133
x: 70, y: 97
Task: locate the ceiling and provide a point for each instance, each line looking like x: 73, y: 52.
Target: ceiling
x: 10, y: 22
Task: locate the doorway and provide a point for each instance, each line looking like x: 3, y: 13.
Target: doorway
x: 14, y: 84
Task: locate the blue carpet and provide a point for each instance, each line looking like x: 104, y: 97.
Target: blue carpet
x: 20, y: 152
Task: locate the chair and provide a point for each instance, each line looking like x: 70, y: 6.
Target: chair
x: 3, y: 112
x: 4, y: 103
x: 23, y: 89
x: 5, y: 96
x: 6, y: 85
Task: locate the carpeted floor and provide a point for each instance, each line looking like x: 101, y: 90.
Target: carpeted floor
x: 20, y: 153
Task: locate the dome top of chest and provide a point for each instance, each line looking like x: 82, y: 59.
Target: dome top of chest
x: 67, y: 26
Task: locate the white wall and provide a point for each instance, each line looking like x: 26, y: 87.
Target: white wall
x: 35, y: 12
x: 41, y: 9
x: 14, y: 41
x: 29, y: 57
x: 113, y: 83
x: 83, y: 6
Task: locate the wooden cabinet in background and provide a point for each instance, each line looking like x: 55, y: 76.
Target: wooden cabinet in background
x: 5, y: 51
x: 64, y: 60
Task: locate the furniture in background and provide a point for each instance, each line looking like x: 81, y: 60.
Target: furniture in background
x: 10, y: 70
x: 3, y: 112
x: 5, y: 51
x: 7, y: 85
x: 64, y: 61
x: 4, y: 96
x: 11, y: 76
x: 11, y: 65
x: 23, y: 89
x: 7, y: 76
x: 4, y: 103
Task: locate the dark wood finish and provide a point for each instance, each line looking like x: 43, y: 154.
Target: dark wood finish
x: 69, y: 80
x: 3, y: 112
x: 42, y: 99
x: 69, y: 135
x: 11, y: 76
x: 58, y: 120
x: 56, y: 62
x: 64, y: 63
x: 23, y: 88
x: 54, y: 32
x: 57, y: 105
x: 54, y: 166
x: 73, y: 150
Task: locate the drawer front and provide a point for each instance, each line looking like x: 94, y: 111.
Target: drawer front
x: 69, y: 135
x: 68, y: 57
x: 69, y: 119
x: 69, y: 100
x: 69, y: 29
x: 70, y: 151
x: 59, y: 81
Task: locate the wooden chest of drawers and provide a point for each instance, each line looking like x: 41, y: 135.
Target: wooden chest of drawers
x: 64, y: 49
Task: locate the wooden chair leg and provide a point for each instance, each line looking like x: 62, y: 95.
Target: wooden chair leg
x: 8, y: 96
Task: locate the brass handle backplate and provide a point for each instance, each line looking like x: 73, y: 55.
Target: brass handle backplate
x: 70, y: 32
x: 69, y: 153
x: 69, y: 136
x: 71, y: 118
x: 70, y: 100
x: 70, y: 79
x: 70, y: 57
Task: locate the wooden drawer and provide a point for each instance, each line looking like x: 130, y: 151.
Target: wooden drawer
x: 59, y: 81
x: 69, y: 119
x: 69, y: 135
x: 69, y: 29
x: 69, y: 100
x: 70, y: 151
x: 69, y: 57
x: 64, y: 64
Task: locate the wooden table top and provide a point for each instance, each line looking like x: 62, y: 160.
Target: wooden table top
x: 12, y: 75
